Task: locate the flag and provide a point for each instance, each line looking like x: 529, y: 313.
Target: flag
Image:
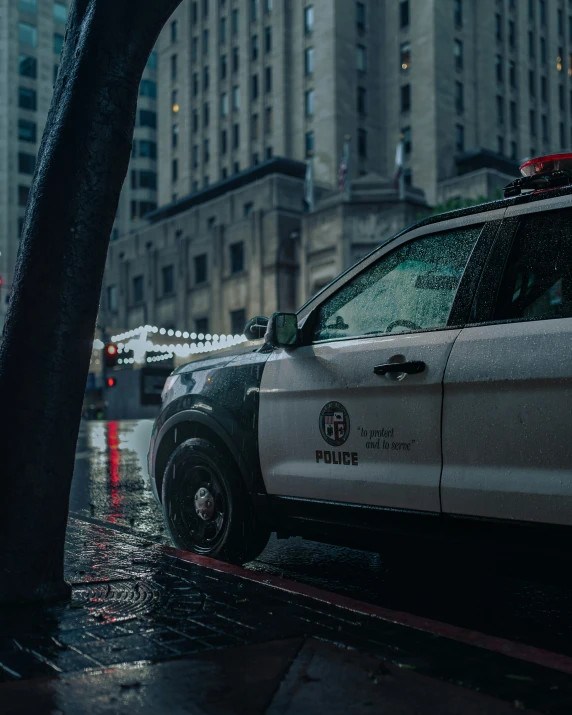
x: 344, y: 172
x: 399, y: 177
x: 309, y: 184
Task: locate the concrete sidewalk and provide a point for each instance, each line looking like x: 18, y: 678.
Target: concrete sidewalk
x: 151, y: 630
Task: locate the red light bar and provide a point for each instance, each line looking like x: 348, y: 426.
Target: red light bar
x: 111, y: 349
x: 546, y: 164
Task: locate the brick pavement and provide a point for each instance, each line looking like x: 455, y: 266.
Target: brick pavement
x: 136, y: 604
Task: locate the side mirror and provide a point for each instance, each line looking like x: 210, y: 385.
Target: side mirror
x: 256, y: 328
x: 282, y: 331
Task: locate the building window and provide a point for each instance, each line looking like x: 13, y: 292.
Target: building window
x: 253, y: 10
x: 205, y: 42
x: 542, y: 4
x: 255, y: 159
x: 224, y: 104
x: 532, y: 119
x: 498, y: 27
x: 532, y: 83
x: 405, y: 56
x: 235, y: 136
x: 460, y: 137
x: 309, y: 103
x: 152, y: 60
x: 500, y: 110
x: 222, y: 30
x: 236, y: 97
x: 406, y: 134
x: 148, y: 149
x: 195, y: 84
x: 173, y: 68
x: 200, y: 268
x: 459, y: 98
x: 60, y: 13
x: 195, y: 121
x: 559, y: 59
x: 195, y: 156
x: 236, y: 167
x: 309, y: 61
x: 26, y: 131
x: 206, y: 114
x: 268, y: 40
x: 168, y: 280
x: 137, y: 289
x: 268, y: 79
x: 362, y: 143
x: 308, y: 19
x: 224, y: 173
x: 235, y: 59
x: 27, y: 34
x: 206, y: 151
x: 513, y: 115
x: 562, y: 135
x: 234, y: 21
x: 268, y: 152
x: 174, y: 136
x: 27, y: 98
x: 223, y: 67
x: 174, y: 31
x: 175, y: 101
x: 361, y: 101
x: 561, y: 97
x: 498, y: 68
x: 309, y: 143
x: 268, y: 120
x: 146, y: 207
x: 223, y: 142
x: 202, y: 327
x: 531, y: 9
x: 112, y: 299
x: 544, y: 89
x: 458, y: 12
x: 254, y: 86
x: 237, y: 257
x: 403, y: 13
x: 58, y: 43
x: 513, y: 150
x: 23, y: 194
x: 147, y: 118
x: 205, y: 77
x: 361, y: 58
x: 500, y: 145
x: 175, y: 170
x: 406, y: 98
x: 458, y: 53
x: 512, y: 74
x: 29, y: 6
x: 148, y: 180
x: 407, y: 177
x: 254, y: 127
x: 511, y: 34
x: 205, y: 8
x: 254, y: 47
x: 237, y: 321
x: 194, y: 49
x: 28, y: 66
x: 531, y: 44
x: 544, y: 124
x: 360, y: 16
x: 267, y: 6
x: 148, y: 88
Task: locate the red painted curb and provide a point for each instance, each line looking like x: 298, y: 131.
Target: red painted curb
x: 503, y: 646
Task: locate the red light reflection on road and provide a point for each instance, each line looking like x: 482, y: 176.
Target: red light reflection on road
x: 114, y: 456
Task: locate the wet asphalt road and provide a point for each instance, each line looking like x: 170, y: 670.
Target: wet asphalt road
x: 526, y: 603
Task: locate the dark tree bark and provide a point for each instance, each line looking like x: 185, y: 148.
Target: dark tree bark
x: 45, y: 353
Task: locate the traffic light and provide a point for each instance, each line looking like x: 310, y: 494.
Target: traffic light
x: 110, y: 355
x: 111, y: 382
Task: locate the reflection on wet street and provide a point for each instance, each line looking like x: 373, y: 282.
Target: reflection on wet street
x: 507, y: 598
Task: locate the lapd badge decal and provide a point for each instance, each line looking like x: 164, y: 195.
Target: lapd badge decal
x: 334, y: 424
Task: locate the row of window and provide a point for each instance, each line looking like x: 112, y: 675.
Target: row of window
x: 31, y: 7
x: 28, y: 35
x: 254, y: 14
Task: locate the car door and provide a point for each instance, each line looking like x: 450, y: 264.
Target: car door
x: 507, y: 423
x: 339, y: 419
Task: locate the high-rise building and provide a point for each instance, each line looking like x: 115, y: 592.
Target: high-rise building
x: 31, y: 39
x: 470, y: 85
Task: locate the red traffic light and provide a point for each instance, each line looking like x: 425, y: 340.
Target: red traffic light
x: 110, y: 355
x: 111, y: 350
x: 111, y: 382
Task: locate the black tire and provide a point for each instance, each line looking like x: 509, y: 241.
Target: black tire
x: 201, y: 478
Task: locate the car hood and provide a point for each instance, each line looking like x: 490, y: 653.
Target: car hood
x: 220, y: 357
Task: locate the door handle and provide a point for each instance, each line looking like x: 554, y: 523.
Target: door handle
x: 411, y: 368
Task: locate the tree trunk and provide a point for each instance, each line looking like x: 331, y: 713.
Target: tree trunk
x: 45, y: 353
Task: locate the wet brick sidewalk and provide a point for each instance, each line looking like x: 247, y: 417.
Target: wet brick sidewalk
x: 133, y: 601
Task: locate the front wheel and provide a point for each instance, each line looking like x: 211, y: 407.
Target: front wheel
x: 206, y: 506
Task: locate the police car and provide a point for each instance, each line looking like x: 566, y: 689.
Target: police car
x: 426, y: 392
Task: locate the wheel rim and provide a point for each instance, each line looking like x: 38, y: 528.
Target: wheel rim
x: 198, y: 507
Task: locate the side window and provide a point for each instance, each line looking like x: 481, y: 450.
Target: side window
x: 411, y: 288
x: 537, y: 282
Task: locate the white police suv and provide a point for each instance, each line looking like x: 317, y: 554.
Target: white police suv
x: 427, y: 391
